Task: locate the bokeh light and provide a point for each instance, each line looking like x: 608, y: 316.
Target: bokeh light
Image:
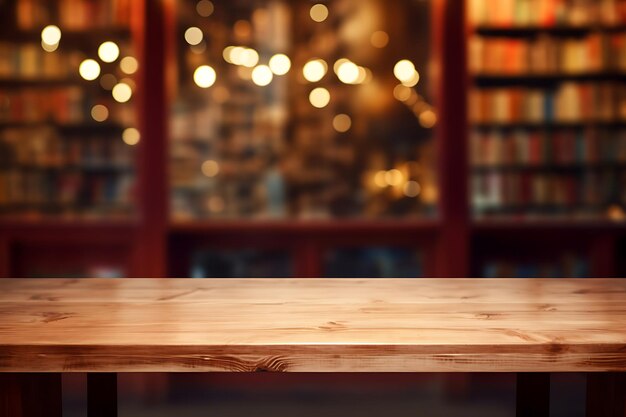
x: 342, y: 123
x: 319, y: 12
x: 280, y: 64
x: 412, y: 189
x: 108, y: 51
x: 122, y: 92
x: 262, y: 75
x: 319, y: 97
x: 131, y: 136
x: 99, y: 113
x: 205, y: 8
x: 129, y: 65
x: 348, y: 72
x: 193, y: 35
x: 404, y: 70
x: 51, y: 35
x: 204, y: 76
x: 314, y: 70
x: 210, y: 168
x: 89, y: 69
x: 379, y: 39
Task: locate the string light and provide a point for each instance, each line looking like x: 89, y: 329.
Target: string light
x: 205, y: 8
x: 319, y: 97
x: 108, y: 51
x: 89, y: 69
x: 379, y: 39
x: 210, y: 168
x: 394, y: 177
x: 318, y: 12
x: 412, y: 189
x: 122, y: 92
x: 428, y: 119
x: 404, y: 70
x: 342, y: 123
x: 314, y: 70
x: 204, y: 76
x: 348, y: 72
x: 99, y: 113
x: 379, y: 179
x: 413, y: 81
x: 129, y: 65
x: 262, y: 75
x: 49, y: 48
x: 401, y: 92
x: 280, y: 64
x: 193, y: 35
x: 131, y: 136
x: 249, y: 57
x: 51, y: 36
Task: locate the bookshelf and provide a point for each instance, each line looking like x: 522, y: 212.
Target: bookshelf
x: 546, y: 109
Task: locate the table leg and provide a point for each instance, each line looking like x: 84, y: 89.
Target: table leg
x: 533, y: 395
x: 606, y: 395
x: 102, y: 395
x: 30, y: 395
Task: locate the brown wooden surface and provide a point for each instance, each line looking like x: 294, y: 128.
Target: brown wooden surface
x: 325, y: 325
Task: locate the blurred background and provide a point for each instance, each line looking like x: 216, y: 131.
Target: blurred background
x: 306, y: 138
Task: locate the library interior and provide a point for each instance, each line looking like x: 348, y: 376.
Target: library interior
x: 409, y: 139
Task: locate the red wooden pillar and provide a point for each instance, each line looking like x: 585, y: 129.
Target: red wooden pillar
x: 151, y: 31
x: 451, y: 78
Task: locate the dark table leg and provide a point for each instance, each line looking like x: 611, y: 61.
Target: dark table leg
x: 30, y: 395
x: 102, y: 395
x: 533, y: 395
x: 606, y: 395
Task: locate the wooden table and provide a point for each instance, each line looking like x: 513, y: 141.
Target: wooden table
x: 105, y: 326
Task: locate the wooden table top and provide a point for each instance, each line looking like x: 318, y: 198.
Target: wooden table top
x: 322, y: 325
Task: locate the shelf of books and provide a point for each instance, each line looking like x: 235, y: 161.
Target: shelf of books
x: 67, y: 120
x: 547, y: 109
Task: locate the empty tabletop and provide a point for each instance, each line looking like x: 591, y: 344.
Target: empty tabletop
x: 317, y: 325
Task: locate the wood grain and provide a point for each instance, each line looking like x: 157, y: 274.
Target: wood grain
x: 312, y: 325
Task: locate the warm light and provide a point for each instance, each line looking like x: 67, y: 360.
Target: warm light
x: 319, y: 97
x: 338, y: 63
x: 129, y: 65
x: 226, y: 53
x: 49, y: 48
x: 210, y: 168
x: 342, y: 123
x: 204, y: 8
x: 394, y: 177
x: 235, y: 54
x: 314, y: 70
x: 99, y: 113
x: 199, y: 48
x: 131, y: 136
x: 51, y: 35
x: 413, y: 81
x: 428, y: 119
x: 348, y: 72
x: 193, y: 35
x: 122, y: 92
x: 108, y: 51
x: 262, y: 75
x: 379, y: 179
x: 404, y: 70
x: 280, y: 64
x: 319, y: 12
x: 379, y: 39
x: 615, y: 213
x: 401, y: 92
x: 89, y: 69
x: 249, y: 57
x: 412, y: 189
x: 108, y: 81
x: 364, y: 75
x: 204, y: 76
